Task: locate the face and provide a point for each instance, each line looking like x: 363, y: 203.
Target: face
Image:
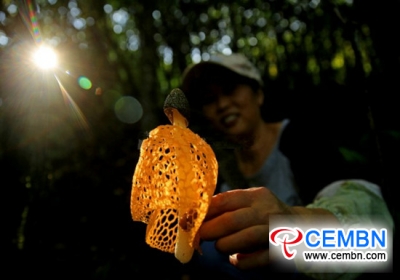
x: 235, y: 112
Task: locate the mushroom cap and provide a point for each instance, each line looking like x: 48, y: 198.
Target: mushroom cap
x: 173, y: 183
x: 177, y: 99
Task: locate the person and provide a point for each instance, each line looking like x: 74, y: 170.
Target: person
x: 268, y: 165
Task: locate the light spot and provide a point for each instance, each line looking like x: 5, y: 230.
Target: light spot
x: 128, y: 110
x: 84, y: 82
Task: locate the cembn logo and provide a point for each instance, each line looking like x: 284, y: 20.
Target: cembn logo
x: 334, y: 238
x: 298, y: 237
x: 327, y: 238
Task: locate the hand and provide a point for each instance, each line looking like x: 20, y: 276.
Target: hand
x: 239, y: 222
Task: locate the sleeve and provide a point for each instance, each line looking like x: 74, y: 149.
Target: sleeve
x: 354, y: 202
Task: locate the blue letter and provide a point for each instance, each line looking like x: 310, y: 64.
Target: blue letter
x: 362, y: 235
x: 308, y: 242
x: 381, y: 241
x: 346, y: 241
x: 325, y: 238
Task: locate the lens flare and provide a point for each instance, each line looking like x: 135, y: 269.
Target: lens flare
x: 128, y: 110
x: 35, y: 24
x: 46, y: 59
x: 80, y: 117
x: 84, y: 82
x: 27, y: 11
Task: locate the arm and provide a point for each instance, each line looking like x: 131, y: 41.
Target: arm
x: 239, y: 220
x: 355, y: 204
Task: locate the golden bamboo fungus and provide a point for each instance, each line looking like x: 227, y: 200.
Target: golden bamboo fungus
x: 173, y: 183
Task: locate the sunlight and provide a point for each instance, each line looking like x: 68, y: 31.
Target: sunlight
x: 45, y: 58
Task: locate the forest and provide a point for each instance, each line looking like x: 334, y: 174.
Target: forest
x: 70, y: 136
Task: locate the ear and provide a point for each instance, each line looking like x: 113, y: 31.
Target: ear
x: 260, y: 97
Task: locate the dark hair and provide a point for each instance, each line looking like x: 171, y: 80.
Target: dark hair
x: 197, y: 84
x: 197, y: 87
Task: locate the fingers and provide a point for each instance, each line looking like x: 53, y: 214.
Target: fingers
x: 249, y: 261
x: 239, y: 222
x: 231, y: 200
x: 227, y: 223
x: 245, y: 241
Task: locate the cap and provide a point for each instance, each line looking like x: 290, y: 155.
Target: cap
x: 235, y: 62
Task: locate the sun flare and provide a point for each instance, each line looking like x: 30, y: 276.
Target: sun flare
x: 45, y: 58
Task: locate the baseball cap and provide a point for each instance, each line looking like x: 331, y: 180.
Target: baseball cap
x: 235, y: 62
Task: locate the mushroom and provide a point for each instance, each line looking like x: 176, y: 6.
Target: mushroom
x: 173, y: 182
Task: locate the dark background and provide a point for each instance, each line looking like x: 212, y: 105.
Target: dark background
x: 67, y: 158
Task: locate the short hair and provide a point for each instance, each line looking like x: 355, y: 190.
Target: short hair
x: 198, y: 85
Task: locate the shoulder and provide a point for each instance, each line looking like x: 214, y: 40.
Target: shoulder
x: 314, y: 158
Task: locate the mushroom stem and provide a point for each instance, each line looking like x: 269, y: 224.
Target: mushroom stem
x: 175, y: 117
x: 183, y: 250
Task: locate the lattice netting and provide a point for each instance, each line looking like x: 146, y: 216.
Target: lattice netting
x: 173, y: 183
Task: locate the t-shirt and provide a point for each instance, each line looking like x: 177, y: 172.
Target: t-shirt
x: 275, y: 174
